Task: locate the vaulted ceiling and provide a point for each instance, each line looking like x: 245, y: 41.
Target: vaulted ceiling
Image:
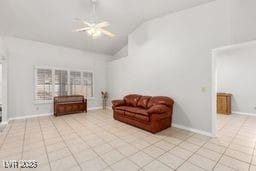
x: 52, y: 21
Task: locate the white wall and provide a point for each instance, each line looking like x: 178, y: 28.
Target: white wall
x: 25, y: 54
x: 236, y: 75
x: 121, y: 53
x: 243, y: 17
x: 171, y: 56
x: 1, y: 83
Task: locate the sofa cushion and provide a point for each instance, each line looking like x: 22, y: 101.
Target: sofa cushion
x: 122, y: 108
x: 136, y: 110
x: 142, y: 117
x: 132, y: 99
x: 119, y: 112
x: 129, y: 114
x: 160, y: 100
x: 143, y: 102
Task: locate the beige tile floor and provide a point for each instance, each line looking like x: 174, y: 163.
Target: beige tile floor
x: 94, y: 141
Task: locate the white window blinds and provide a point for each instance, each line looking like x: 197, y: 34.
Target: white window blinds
x: 43, y: 84
x: 60, y: 82
x: 75, y: 83
x: 87, y: 80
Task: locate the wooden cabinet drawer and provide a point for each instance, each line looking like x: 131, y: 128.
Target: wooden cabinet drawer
x: 224, y: 103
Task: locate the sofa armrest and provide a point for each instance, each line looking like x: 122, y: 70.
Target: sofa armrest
x: 158, y: 109
x: 117, y: 103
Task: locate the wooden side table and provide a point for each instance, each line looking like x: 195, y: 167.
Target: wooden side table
x: 224, y: 103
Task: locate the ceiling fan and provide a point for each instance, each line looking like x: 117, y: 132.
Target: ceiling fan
x: 95, y: 30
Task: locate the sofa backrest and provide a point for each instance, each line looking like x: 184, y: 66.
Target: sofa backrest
x: 163, y: 100
x: 143, y: 102
x: 132, y: 99
x: 146, y: 102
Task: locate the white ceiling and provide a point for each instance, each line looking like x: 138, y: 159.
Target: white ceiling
x: 52, y: 21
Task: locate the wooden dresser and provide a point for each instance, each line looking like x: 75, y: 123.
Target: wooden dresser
x: 224, y: 103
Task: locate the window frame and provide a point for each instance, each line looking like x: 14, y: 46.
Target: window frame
x: 54, y: 74
x: 53, y: 81
x: 92, y: 85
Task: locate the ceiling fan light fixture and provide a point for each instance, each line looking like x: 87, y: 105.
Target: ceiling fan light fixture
x: 94, y: 32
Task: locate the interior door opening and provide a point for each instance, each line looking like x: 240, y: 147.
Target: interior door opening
x: 1, y: 91
x: 233, y: 95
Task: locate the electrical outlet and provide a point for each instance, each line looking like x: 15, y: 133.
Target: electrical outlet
x: 37, y: 108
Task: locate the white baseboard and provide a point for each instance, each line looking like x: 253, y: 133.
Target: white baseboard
x: 94, y: 108
x: 4, y: 123
x: 30, y: 116
x: 193, y: 130
x: 243, y: 113
x: 40, y: 115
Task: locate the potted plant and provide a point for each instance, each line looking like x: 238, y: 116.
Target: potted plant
x: 104, y: 96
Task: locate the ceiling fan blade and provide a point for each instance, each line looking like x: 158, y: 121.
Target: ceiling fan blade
x: 85, y: 22
x: 82, y: 29
x: 107, y: 33
x: 103, y: 24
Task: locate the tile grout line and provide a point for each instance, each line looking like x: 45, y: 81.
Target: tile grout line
x: 210, y: 150
x: 193, y: 155
x: 39, y: 122
x: 156, y: 158
x: 64, y: 142
x: 240, y: 131
x: 229, y: 145
x: 86, y: 143
x: 23, y: 142
x: 254, y: 149
x: 226, y: 123
x: 139, y: 150
x: 5, y: 136
x: 177, y: 145
x: 115, y: 148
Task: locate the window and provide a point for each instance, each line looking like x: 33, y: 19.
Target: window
x: 75, y: 83
x: 87, y: 80
x: 61, y: 82
x: 43, y: 84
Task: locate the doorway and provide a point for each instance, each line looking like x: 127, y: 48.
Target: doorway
x: 233, y: 70
x: 1, y: 91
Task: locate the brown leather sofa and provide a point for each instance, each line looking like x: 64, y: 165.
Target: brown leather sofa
x: 153, y: 114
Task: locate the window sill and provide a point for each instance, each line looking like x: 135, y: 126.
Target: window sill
x: 38, y: 102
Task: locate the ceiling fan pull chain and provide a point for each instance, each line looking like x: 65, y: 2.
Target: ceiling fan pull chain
x: 94, y: 9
